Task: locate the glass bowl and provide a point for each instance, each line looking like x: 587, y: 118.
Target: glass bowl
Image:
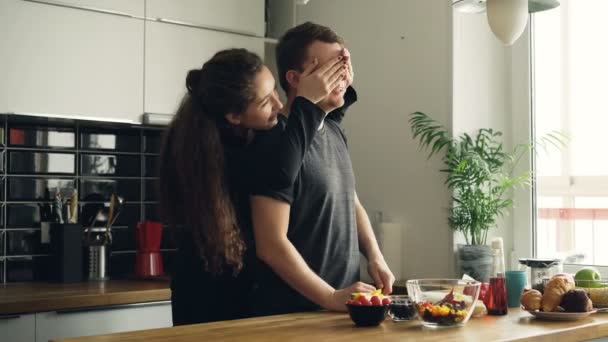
x: 443, y: 302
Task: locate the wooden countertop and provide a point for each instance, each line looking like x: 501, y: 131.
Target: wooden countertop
x: 322, y: 326
x: 38, y: 297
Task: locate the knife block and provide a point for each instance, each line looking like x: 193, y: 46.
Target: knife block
x: 66, y: 251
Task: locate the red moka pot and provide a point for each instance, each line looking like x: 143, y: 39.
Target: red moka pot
x: 148, y: 261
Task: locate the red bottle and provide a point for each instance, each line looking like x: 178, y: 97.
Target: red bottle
x: 496, y: 298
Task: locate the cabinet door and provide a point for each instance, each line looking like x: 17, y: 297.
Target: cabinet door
x: 241, y: 16
x: 18, y: 328
x: 55, y: 325
x: 172, y: 50
x: 65, y: 61
x: 131, y: 7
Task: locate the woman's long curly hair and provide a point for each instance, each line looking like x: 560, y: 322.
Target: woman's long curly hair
x: 193, y: 188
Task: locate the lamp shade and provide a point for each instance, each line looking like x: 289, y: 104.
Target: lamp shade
x: 507, y: 18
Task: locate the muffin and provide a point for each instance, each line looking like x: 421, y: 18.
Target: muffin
x: 576, y: 301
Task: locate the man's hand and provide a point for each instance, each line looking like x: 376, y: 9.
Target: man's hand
x: 316, y: 82
x: 350, y: 75
x: 339, y: 297
x: 382, y: 275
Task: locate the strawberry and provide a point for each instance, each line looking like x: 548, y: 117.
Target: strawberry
x: 350, y: 302
x: 386, y: 301
x: 364, y: 301
x: 376, y: 301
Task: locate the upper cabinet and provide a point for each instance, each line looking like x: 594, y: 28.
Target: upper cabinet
x: 65, y: 61
x: 238, y: 16
x: 172, y: 50
x: 126, y: 7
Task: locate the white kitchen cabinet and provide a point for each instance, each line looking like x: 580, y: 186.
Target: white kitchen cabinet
x: 173, y: 50
x: 64, y: 61
x: 18, y: 328
x: 102, y: 320
x: 240, y: 16
x: 129, y: 7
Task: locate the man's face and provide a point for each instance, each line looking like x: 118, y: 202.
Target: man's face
x: 324, y: 52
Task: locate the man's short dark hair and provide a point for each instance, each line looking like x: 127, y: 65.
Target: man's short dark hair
x: 293, y: 46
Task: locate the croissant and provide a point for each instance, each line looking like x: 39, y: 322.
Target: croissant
x: 555, y: 290
x: 531, y: 300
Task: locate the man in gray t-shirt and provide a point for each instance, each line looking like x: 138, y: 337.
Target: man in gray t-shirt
x: 308, y: 236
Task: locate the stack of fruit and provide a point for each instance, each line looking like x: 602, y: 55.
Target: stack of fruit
x: 559, y: 295
x: 372, y: 298
x: 589, y: 279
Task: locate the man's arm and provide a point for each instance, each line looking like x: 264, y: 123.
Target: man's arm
x: 377, y: 267
x: 270, y: 223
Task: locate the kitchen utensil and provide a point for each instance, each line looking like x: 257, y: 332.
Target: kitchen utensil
x: 541, y: 269
x: 73, y: 213
x: 97, y: 262
x: 148, y: 261
x: 108, y: 234
x: 116, y: 205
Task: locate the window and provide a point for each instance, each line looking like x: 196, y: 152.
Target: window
x: 569, y: 76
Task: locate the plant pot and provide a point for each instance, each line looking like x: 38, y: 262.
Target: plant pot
x: 476, y: 261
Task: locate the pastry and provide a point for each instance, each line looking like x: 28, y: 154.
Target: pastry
x: 555, y: 290
x: 531, y: 300
x: 576, y: 301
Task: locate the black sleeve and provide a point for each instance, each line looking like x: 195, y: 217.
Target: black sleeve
x: 350, y: 97
x: 278, y: 155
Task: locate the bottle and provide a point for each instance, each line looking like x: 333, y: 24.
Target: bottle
x: 496, y: 299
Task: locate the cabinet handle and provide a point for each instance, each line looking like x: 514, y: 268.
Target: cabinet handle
x: 112, y: 307
x: 83, y: 7
x: 9, y: 316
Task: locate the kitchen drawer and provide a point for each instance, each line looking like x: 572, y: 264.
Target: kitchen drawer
x: 102, y: 320
x: 18, y: 328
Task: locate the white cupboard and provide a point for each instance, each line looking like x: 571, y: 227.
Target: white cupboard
x: 18, y: 328
x: 127, y: 7
x: 239, y: 16
x: 103, y: 320
x: 64, y: 61
x: 173, y: 50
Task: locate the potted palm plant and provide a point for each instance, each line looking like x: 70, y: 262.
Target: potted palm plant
x: 480, y: 174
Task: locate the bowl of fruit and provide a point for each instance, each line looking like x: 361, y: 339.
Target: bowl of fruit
x: 368, y: 309
x: 443, y: 302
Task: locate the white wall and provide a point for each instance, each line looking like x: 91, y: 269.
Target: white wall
x: 402, y: 61
x: 482, y: 91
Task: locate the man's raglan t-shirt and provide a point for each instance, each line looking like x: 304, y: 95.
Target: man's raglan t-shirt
x: 322, y: 223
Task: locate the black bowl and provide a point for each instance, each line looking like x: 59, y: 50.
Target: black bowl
x: 367, y: 315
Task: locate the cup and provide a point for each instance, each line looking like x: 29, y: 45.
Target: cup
x: 401, y: 308
x: 516, y: 282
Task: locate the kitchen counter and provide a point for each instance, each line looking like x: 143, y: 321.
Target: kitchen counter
x: 38, y: 297
x: 322, y: 326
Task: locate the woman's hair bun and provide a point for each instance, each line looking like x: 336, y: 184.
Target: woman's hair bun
x: 193, y: 80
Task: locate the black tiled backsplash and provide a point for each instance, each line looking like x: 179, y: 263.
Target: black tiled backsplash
x: 113, y: 140
x: 40, y: 156
x: 26, y: 162
x: 41, y: 137
x: 95, y: 190
x: 110, y: 165
x: 38, y: 189
x: 150, y: 189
